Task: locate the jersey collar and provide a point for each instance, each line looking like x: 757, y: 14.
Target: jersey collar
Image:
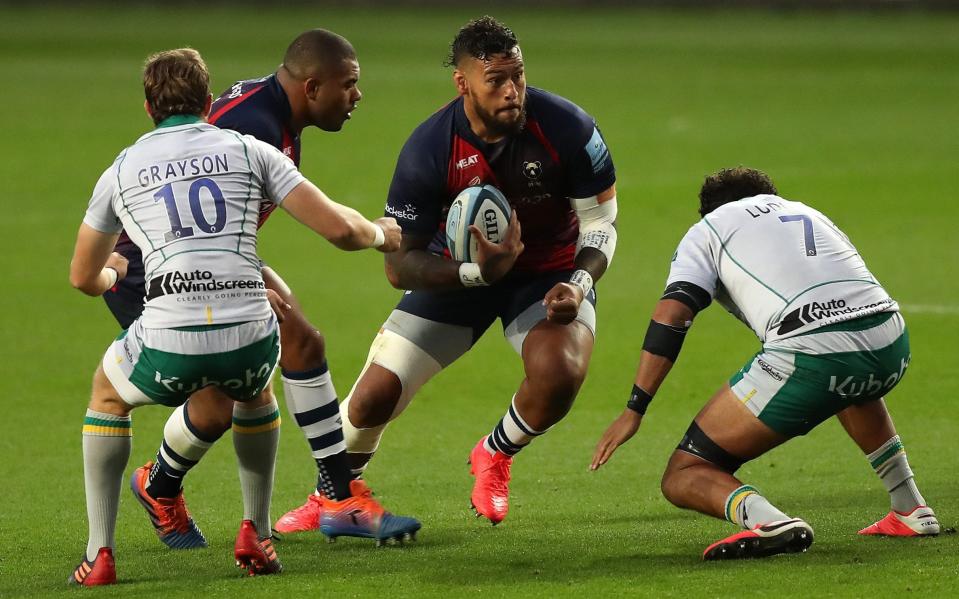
x: 178, y: 119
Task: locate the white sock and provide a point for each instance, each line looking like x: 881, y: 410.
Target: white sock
x: 511, y: 434
x: 311, y: 401
x: 182, y: 447
x: 747, y: 508
x: 892, y: 466
x: 107, y: 440
x: 256, y: 436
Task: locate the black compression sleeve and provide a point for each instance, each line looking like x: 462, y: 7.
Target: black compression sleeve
x: 694, y: 296
x: 664, y: 340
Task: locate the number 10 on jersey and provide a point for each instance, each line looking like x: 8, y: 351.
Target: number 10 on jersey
x: 177, y: 230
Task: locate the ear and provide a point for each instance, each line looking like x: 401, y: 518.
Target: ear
x: 461, y: 82
x: 207, y: 106
x: 146, y: 107
x: 311, y: 87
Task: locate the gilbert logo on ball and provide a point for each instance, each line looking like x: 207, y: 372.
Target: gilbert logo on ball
x: 483, y: 206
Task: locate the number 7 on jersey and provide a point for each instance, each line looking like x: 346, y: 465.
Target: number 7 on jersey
x: 808, y: 237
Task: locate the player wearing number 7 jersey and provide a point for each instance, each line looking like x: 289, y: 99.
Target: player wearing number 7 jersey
x: 833, y: 343
x: 188, y: 194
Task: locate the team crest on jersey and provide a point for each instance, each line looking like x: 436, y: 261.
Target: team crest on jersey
x: 475, y: 181
x: 533, y: 170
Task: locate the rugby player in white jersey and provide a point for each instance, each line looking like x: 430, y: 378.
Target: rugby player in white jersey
x: 834, y: 343
x: 207, y: 343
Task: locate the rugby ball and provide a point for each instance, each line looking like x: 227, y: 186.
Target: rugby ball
x: 483, y: 206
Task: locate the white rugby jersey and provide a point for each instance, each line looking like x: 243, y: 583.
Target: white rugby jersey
x: 188, y: 194
x: 781, y: 267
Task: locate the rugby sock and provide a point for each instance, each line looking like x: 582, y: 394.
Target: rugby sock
x: 511, y: 434
x: 890, y: 463
x: 182, y: 447
x: 311, y: 400
x: 747, y: 508
x: 107, y: 440
x: 256, y: 436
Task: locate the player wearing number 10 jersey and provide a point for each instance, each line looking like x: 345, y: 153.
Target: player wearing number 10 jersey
x: 207, y: 343
x: 316, y: 85
x: 833, y: 343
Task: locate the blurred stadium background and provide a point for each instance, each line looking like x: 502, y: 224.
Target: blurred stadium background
x: 850, y: 106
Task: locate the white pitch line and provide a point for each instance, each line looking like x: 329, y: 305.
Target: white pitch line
x: 929, y: 309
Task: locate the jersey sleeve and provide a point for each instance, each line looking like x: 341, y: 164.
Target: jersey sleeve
x: 277, y: 172
x: 417, y: 191
x: 101, y: 214
x: 695, y: 260
x: 590, y: 168
x: 581, y: 146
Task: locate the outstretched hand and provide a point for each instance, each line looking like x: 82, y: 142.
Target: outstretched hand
x: 620, y: 431
x: 497, y: 259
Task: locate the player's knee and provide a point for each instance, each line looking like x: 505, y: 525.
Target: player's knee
x: 104, y: 398
x: 671, y: 485
x: 264, y: 398
x: 109, y: 405
x: 557, y: 375
x: 360, y: 440
x: 303, y: 347
x: 211, y: 412
x: 366, y: 410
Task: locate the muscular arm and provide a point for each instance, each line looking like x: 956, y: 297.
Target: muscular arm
x: 414, y: 267
x: 92, y: 256
x: 653, y: 368
x: 670, y: 320
x: 592, y: 259
x: 597, y: 242
x: 341, y: 225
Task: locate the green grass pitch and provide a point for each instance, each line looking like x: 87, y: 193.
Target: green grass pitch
x: 853, y: 113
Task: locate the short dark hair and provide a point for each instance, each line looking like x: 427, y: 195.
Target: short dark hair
x: 314, y: 50
x: 175, y: 82
x: 731, y: 184
x: 481, y: 38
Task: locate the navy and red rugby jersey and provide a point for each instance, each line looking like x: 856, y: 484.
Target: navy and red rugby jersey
x: 560, y: 154
x: 257, y: 107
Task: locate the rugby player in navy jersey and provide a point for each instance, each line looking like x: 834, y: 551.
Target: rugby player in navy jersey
x: 549, y: 159
x: 316, y: 85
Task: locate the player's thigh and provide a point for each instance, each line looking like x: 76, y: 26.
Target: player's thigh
x: 444, y: 325
x: 524, y: 310
x: 558, y: 355
x: 426, y: 332
x: 298, y: 335
x: 729, y: 424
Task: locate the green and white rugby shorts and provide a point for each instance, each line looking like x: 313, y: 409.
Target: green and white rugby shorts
x: 166, y: 366
x: 794, y: 384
